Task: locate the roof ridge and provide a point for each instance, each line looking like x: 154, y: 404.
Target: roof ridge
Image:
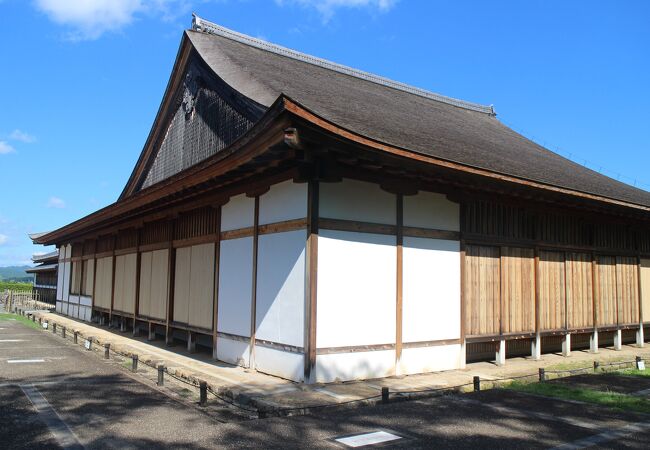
x: 199, y: 24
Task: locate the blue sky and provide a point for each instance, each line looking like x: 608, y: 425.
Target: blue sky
x: 81, y: 81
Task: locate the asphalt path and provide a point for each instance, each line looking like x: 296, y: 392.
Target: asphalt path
x: 61, y: 396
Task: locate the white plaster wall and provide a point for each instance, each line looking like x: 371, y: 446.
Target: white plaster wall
x: 68, y: 251
x: 233, y: 351
x: 431, y: 290
x: 59, y: 280
x: 354, y: 366
x: 66, y: 281
x: 73, y: 299
x: 356, y: 289
x: 430, y: 359
x: 357, y: 200
x: 238, y: 213
x: 284, y: 201
x: 235, y: 286
x: 281, y: 288
x: 59, y: 306
x: 84, y: 313
x: 431, y: 210
x: 279, y: 363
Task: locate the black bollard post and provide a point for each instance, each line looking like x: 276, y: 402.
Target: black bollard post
x: 542, y: 374
x: 107, y: 349
x: 385, y: 394
x: 134, y: 363
x: 203, y: 390
x: 53, y: 328
x: 63, y: 332
x: 477, y: 384
x: 161, y: 375
x: 596, y: 365
x: 75, y: 334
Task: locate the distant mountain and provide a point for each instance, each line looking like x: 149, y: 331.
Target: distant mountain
x: 15, y: 273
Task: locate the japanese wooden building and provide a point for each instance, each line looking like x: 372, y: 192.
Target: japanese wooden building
x: 45, y: 276
x: 316, y: 222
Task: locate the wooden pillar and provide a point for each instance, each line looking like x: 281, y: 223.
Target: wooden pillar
x: 138, y: 260
x: 640, y: 338
x: 399, y: 282
x: 311, y: 274
x: 593, y: 340
x: 536, y: 346
x: 463, y: 309
x: 215, y: 294
x: 110, y: 312
x: 256, y: 223
x: 171, y: 274
x: 501, y: 349
x: 92, y: 300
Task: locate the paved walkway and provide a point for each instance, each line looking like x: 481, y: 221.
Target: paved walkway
x: 271, y: 394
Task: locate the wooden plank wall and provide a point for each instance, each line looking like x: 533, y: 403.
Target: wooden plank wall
x: 587, y: 274
x: 518, y: 289
x: 580, y: 301
x: 552, y: 290
x: 482, y: 289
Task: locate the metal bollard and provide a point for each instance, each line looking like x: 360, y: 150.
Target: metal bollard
x: 53, y: 328
x: 161, y: 375
x: 33, y: 318
x: 203, y: 391
x: 134, y: 363
x: 477, y: 384
x: 542, y: 374
x: 385, y: 394
x: 63, y: 332
x: 596, y: 365
x: 107, y: 349
x: 75, y: 334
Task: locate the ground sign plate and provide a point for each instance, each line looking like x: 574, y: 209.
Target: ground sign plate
x: 361, y: 440
x: 45, y: 325
x: 87, y: 344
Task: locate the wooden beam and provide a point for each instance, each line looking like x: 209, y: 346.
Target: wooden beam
x: 311, y: 276
x: 399, y: 281
x: 110, y: 311
x: 594, y: 288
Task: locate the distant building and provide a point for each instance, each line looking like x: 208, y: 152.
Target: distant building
x: 316, y: 222
x: 45, y: 276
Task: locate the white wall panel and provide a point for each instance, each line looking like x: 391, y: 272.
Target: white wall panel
x: 238, y: 213
x: 284, y: 201
x: 235, y: 286
x: 86, y: 301
x: 430, y: 359
x: 59, y: 306
x: 281, y: 288
x: 59, y: 281
x: 279, y: 363
x: 357, y: 200
x: 356, y: 289
x: 233, y: 352
x: 66, y: 280
x: 354, y: 366
x: 68, y: 251
x: 202, y: 286
x: 431, y: 290
x: 159, y: 289
x: 431, y: 210
x: 182, y: 284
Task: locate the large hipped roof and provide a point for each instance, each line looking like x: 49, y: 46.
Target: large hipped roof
x: 431, y: 125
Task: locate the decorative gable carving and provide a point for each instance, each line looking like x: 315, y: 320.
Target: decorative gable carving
x: 207, y: 117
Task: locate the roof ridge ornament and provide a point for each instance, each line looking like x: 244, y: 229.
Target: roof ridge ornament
x: 199, y: 24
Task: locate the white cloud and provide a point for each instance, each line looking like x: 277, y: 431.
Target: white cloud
x: 55, y: 202
x: 327, y: 8
x: 21, y: 136
x: 5, y: 148
x: 89, y: 19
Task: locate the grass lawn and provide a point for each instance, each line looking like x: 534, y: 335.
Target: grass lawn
x: 610, y: 399
x: 635, y: 372
x: 21, y: 319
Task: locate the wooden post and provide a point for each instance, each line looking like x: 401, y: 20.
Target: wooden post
x: 171, y: 275
x: 311, y: 273
x: 110, y: 313
x: 593, y: 340
x: 640, y: 338
x: 399, y: 282
x: 536, y: 346
x: 138, y: 261
x: 256, y: 233
x: 215, y: 294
